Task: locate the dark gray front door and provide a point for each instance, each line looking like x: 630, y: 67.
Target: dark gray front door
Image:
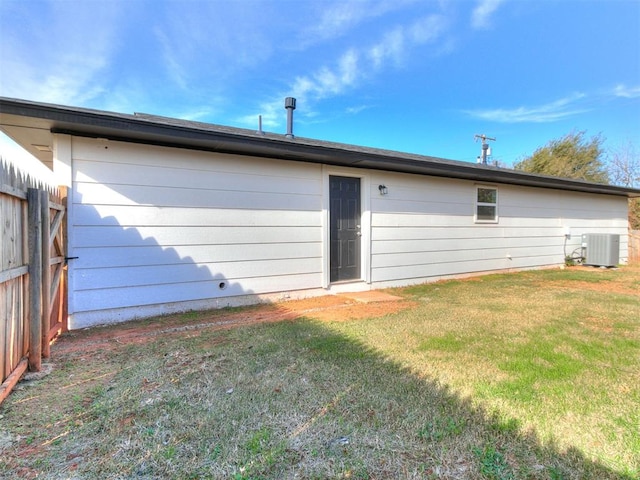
x: 344, y: 218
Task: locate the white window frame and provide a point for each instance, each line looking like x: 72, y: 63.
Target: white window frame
x: 485, y: 204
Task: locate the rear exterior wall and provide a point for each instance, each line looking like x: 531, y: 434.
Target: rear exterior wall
x: 157, y: 230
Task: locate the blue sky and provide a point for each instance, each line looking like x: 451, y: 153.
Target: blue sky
x: 416, y: 76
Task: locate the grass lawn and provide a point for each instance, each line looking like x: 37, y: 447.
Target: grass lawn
x: 534, y: 375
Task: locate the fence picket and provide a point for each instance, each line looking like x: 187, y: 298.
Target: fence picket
x: 21, y: 279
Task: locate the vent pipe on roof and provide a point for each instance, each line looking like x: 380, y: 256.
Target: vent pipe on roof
x: 260, y: 131
x: 290, y: 105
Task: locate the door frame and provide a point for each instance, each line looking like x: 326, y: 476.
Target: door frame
x: 365, y: 222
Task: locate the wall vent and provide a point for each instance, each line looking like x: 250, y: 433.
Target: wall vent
x: 601, y: 249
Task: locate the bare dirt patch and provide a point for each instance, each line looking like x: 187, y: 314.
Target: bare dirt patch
x: 326, y: 308
x: 343, y: 307
x: 610, y: 285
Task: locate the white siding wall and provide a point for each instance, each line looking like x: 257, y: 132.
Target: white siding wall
x: 155, y: 227
x: 160, y: 229
x: 424, y: 228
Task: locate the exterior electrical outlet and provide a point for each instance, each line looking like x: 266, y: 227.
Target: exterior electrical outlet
x: 601, y: 249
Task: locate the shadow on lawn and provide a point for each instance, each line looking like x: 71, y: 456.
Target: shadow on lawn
x: 288, y: 399
x: 425, y: 427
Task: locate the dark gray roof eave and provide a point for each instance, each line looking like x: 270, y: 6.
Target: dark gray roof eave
x: 183, y: 134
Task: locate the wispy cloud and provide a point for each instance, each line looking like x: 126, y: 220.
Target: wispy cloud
x: 568, y: 106
x: 390, y: 48
x: 481, y: 15
x: 354, y: 66
x: 176, y: 71
x: 330, y: 81
x: 357, y: 109
x: 338, y: 18
x: 213, y: 40
x: 623, y: 91
x: 548, y: 112
x: 335, y: 20
x: 60, y: 68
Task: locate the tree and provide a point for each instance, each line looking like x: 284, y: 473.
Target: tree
x: 571, y: 156
x: 624, y: 169
x: 624, y: 166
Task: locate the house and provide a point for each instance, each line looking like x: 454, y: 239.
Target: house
x: 167, y: 215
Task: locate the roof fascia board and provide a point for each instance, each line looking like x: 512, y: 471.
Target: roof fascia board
x: 308, y: 154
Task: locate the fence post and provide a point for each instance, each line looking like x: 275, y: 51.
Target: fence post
x: 46, y: 272
x: 35, y: 279
x: 64, y: 281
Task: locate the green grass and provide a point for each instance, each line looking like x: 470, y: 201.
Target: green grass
x: 528, y: 375
x: 493, y: 464
x: 563, y: 363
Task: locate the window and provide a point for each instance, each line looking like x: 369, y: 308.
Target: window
x: 487, y: 204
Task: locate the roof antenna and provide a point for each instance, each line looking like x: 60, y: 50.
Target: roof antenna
x: 290, y: 105
x: 485, y: 147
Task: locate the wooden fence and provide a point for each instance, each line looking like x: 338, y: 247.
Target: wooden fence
x: 634, y: 246
x: 32, y: 273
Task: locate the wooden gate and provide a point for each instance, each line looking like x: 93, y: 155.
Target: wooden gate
x: 33, y: 305
x: 53, y: 267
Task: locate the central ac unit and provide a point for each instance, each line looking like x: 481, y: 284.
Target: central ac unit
x: 601, y: 249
